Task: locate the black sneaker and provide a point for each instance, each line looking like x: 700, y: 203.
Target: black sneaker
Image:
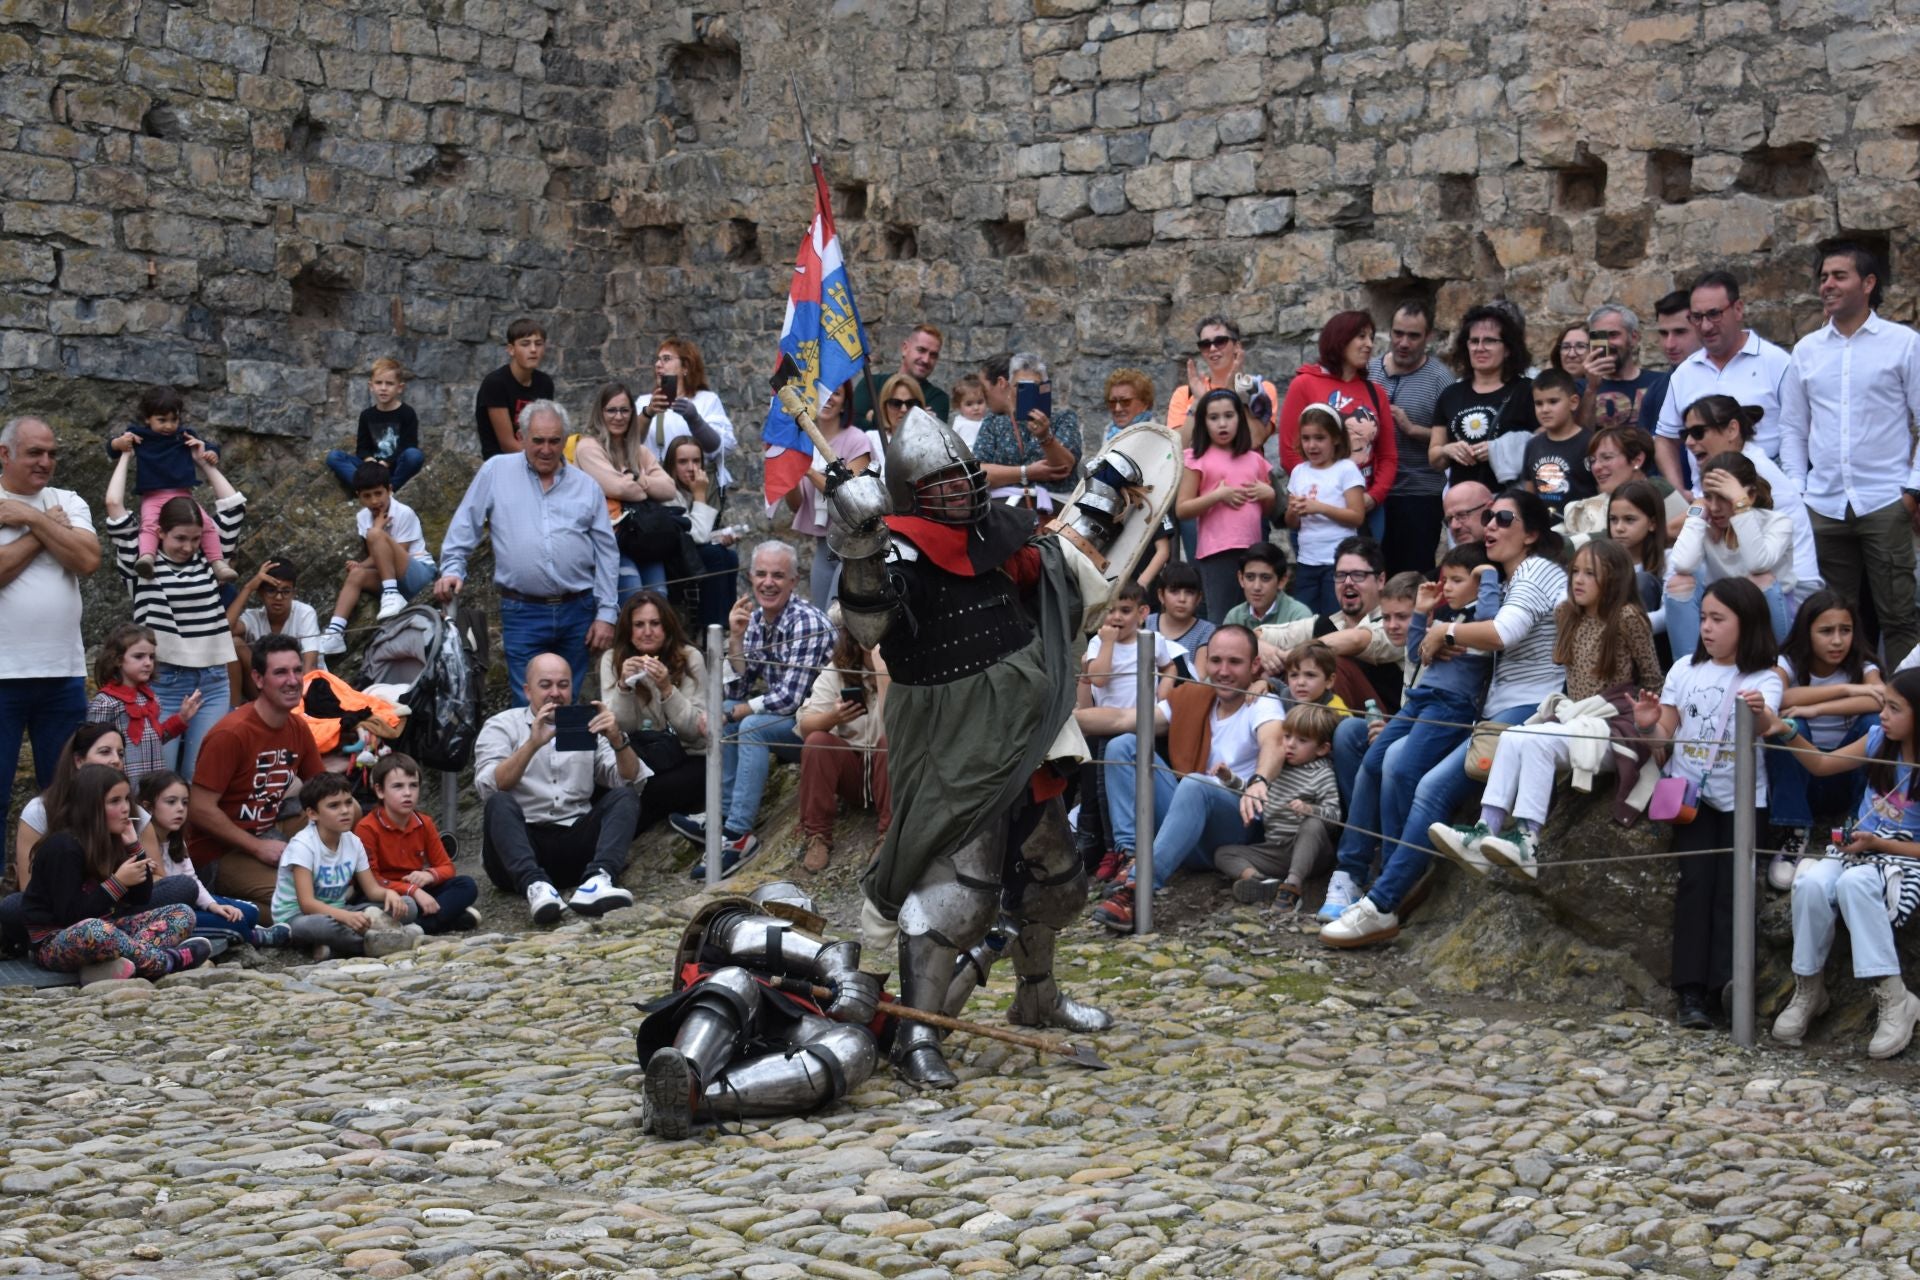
x: 1256, y: 890
x: 1692, y: 1013
x: 734, y: 850
x: 689, y: 826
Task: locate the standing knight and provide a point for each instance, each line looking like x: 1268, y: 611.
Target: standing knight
x: 981, y: 620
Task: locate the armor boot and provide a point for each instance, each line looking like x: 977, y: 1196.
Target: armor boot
x: 971, y: 970
x: 827, y: 1061
x: 1038, y: 1001
x: 926, y: 974
x: 709, y: 1034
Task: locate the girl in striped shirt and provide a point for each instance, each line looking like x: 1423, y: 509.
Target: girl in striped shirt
x: 180, y: 603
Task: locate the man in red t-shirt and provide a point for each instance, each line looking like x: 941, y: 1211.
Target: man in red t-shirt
x: 247, y: 764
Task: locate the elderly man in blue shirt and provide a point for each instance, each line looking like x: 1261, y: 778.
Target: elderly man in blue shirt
x: 554, y: 558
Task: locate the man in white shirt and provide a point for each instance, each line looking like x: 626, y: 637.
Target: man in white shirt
x: 1847, y: 411
x: 543, y: 823
x: 1732, y: 361
x: 47, y: 545
x: 1199, y: 811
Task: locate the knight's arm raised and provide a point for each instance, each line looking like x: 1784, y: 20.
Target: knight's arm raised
x: 869, y: 599
x: 770, y: 944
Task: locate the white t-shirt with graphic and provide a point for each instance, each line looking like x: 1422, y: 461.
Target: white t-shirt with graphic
x: 1318, y: 535
x: 1699, y: 690
x: 333, y: 870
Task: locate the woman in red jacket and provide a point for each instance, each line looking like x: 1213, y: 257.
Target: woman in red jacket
x: 1340, y: 379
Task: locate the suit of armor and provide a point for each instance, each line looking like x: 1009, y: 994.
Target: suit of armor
x: 949, y: 586
x: 741, y: 1035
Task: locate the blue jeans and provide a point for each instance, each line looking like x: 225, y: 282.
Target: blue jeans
x: 1383, y: 787
x: 1683, y: 620
x: 1313, y: 587
x: 208, y: 925
x: 1375, y: 525
x: 405, y: 466
x: 638, y: 577
x: 529, y: 630
x: 1795, y: 797
x: 1435, y: 797
x: 45, y: 710
x: 1349, y: 749
x: 171, y: 685
x: 1192, y: 816
x: 745, y: 758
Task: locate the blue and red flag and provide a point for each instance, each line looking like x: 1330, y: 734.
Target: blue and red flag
x: 822, y: 335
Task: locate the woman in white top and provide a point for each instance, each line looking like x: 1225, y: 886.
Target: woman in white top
x: 693, y: 409
x: 655, y: 683
x: 610, y: 450
x: 1732, y: 532
x: 720, y: 564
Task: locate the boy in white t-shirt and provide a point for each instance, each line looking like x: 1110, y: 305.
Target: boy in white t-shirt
x: 398, y: 561
x: 1109, y: 686
x: 319, y: 869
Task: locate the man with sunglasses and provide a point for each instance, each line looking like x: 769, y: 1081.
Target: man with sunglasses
x: 919, y: 353
x: 1221, y: 364
x: 1732, y: 360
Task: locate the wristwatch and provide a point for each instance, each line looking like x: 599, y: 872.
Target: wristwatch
x: 1260, y: 778
x: 1450, y: 640
x: 625, y: 742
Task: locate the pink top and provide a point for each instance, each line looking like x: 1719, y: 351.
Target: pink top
x: 1223, y: 527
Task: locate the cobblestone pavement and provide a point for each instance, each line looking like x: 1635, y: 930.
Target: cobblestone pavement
x: 469, y: 1110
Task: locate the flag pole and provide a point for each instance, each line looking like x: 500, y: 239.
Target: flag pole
x: 846, y: 265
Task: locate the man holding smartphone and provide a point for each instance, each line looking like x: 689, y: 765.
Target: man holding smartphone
x: 545, y: 824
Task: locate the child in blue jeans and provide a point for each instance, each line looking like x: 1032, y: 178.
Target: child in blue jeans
x: 1444, y: 691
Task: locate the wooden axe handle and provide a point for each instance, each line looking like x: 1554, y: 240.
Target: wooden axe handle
x: 907, y: 1013
x: 800, y: 411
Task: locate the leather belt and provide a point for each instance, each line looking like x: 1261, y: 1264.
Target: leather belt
x: 508, y: 593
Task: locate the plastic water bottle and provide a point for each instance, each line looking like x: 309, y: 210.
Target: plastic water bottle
x: 1374, y: 714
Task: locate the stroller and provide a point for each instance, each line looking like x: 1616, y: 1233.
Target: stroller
x: 436, y: 663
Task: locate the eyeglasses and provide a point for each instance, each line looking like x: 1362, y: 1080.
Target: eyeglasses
x: 1571, y: 347
x: 1469, y: 514
x: 1504, y: 519
x: 1216, y: 342
x: 1708, y: 317
x: 1353, y: 575
x: 1485, y: 342
x: 1121, y: 402
x: 901, y: 402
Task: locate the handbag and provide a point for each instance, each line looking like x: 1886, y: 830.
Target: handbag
x: 649, y: 532
x: 658, y: 749
x: 1481, y: 746
x: 1676, y: 798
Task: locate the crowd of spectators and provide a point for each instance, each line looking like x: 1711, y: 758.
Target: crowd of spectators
x: 1391, y: 581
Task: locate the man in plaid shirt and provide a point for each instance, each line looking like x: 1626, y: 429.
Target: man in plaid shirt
x: 779, y: 643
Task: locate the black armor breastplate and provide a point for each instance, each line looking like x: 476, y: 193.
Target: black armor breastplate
x: 956, y: 626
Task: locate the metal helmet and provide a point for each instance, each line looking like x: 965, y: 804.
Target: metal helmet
x: 923, y: 459
x: 785, y: 891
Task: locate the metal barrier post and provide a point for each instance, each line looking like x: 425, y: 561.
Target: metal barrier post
x: 1743, y: 872
x: 1143, y: 765
x: 716, y: 729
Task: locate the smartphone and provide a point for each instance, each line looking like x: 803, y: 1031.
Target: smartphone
x: 1026, y: 398
x: 670, y: 384
x: 570, y: 728
x: 854, y: 693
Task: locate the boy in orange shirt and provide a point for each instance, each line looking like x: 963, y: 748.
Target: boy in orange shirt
x: 405, y: 851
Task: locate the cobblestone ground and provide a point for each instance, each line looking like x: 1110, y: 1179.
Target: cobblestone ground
x: 470, y: 1110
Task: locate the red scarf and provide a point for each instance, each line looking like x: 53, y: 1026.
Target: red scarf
x: 143, y: 708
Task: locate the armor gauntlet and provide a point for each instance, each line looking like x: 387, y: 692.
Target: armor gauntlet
x: 772, y: 945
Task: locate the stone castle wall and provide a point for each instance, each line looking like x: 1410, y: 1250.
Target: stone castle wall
x: 254, y: 198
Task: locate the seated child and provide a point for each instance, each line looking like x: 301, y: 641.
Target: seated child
x: 320, y: 868
x: 1264, y: 576
x: 164, y: 451
x: 164, y: 796
x: 1301, y: 800
x: 1310, y: 669
x: 397, y: 562
x: 389, y: 430
x: 406, y: 853
x: 278, y: 613
x: 1179, y: 618
x: 1106, y: 705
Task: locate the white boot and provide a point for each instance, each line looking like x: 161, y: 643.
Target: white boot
x: 1899, y: 1010
x: 1809, y: 1002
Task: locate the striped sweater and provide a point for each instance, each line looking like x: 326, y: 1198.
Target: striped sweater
x: 1313, y: 782
x: 181, y: 602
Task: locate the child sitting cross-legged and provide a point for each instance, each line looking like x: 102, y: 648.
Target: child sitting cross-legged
x: 320, y: 868
x: 1301, y: 800
x: 406, y: 853
x: 164, y: 796
x: 1604, y: 641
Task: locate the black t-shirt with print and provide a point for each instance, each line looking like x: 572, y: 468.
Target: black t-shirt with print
x: 501, y: 390
x: 1478, y: 417
x: 1558, y: 468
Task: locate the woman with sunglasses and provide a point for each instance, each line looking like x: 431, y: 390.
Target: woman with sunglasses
x: 1522, y: 545
x: 807, y: 500
x: 1492, y: 400
x: 898, y: 395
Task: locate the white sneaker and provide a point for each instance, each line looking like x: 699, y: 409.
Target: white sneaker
x: 1341, y: 892
x: 598, y: 896
x: 1514, y: 851
x: 1361, y: 925
x: 543, y: 901
x: 1899, y: 1011
x: 331, y: 642
x: 391, y: 602
x: 1461, y: 845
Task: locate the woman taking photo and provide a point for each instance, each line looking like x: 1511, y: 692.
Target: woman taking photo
x: 693, y: 408
x: 655, y: 684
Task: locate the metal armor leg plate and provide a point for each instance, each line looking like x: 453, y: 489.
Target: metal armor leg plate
x: 709, y: 1035
x: 926, y: 974
x: 832, y: 1060
x: 947, y: 912
x: 1038, y: 1001
x: 1050, y: 881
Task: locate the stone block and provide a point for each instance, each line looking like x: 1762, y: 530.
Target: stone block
x: 1062, y: 197
x: 1070, y: 113
x: 1455, y: 150
x: 1128, y: 57
x: 108, y: 106
x: 1117, y: 107
x: 111, y: 187
x: 25, y: 177
x: 20, y: 349
x: 1807, y: 118
x: 1659, y: 30
x: 133, y: 360
x: 242, y: 48
x: 1087, y: 154
x: 1299, y: 167
x: 1258, y: 216
x: 1892, y: 159
x: 88, y: 226
x: 432, y: 81
x: 90, y: 271
x: 413, y: 35
x: 1119, y: 232
x: 494, y: 93
x: 1035, y: 161
x: 15, y: 54
x: 1879, y: 206
x: 1107, y: 194
x: 1188, y: 139
x: 113, y: 19
x: 1227, y: 175
x: 170, y: 234
x: 1368, y: 259
x: 277, y: 381
x: 86, y: 316
x: 22, y: 261
x: 1160, y: 186
x: 1163, y: 15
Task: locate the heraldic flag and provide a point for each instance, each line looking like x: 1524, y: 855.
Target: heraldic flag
x: 824, y: 337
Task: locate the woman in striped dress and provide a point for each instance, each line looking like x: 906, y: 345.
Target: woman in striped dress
x: 180, y: 603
